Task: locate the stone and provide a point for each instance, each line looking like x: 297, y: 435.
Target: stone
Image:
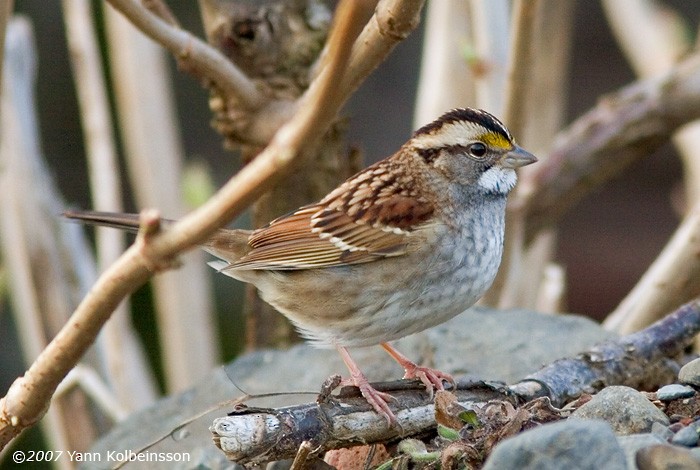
x: 632, y: 443
x: 686, y: 437
x: 564, y: 444
x: 625, y: 409
x: 674, y: 392
x: 690, y: 373
x: 665, y: 457
x: 663, y: 432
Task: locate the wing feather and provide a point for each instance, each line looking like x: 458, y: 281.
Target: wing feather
x: 371, y: 216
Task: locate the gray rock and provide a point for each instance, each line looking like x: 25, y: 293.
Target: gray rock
x: 665, y: 457
x: 674, y: 391
x: 493, y: 345
x: 690, y: 373
x: 580, y: 444
x: 632, y: 443
x: 663, y: 432
x: 624, y: 408
x: 686, y: 437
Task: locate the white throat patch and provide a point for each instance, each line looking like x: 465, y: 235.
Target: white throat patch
x: 498, y: 180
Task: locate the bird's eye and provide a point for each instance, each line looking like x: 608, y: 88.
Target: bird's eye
x: 477, y: 150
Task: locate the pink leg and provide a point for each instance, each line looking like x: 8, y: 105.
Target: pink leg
x: 374, y: 397
x: 432, y: 378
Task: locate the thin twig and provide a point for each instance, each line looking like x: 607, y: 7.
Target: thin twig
x: 447, y: 32
x: 543, y: 103
x: 162, y: 11
x: 92, y: 384
x: 125, y: 362
x: 30, y: 245
x: 153, y: 149
x: 6, y: 8
x: 207, y: 61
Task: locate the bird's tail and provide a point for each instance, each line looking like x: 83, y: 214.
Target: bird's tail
x: 122, y: 221
x: 226, y: 244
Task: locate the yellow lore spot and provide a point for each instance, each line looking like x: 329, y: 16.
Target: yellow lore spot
x: 493, y: 139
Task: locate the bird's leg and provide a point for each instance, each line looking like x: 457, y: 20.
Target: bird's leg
x: 432, y: 378
x: 374, y: 397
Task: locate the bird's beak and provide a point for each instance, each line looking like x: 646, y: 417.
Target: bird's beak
x: 516, y: 158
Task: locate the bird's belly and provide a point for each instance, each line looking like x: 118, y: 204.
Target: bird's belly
x: 367, y: 304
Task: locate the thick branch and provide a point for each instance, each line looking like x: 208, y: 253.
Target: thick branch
x: 622, y: 128
x: 392, y: 22
x: 28, y: 398
x: 260, y: 435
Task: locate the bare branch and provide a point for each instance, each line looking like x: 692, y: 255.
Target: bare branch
x: 673, y: 277
x: 447, y: 30
x: 201, y: 58
x: 154, y: 154
x: 5, y: 15
x: 392, y: 22
x: 125, y: 361
x: 622, y: 128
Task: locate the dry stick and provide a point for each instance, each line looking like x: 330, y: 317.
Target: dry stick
x: 29, y: 396
x: 392, y: 22
x: 202, y: 59
x: 490, y: 19
x: 447, y: 29
x: 649, y: 36
x: 256, y: 436
x: 154, y: 156
x: 536, y: 100
x: 674, y: 276
x: 162, y: 11
x: 92, y: 384
x: 5, y: 15
x: 126, y: 365
x: 23, y: 230
x: 623, y: 127
x: 515, y: 103
x: 546, y: 101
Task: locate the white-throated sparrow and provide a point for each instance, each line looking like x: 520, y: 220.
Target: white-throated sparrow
x: 404, y: 245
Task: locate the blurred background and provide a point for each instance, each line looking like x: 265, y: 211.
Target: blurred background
x: 605, y: 244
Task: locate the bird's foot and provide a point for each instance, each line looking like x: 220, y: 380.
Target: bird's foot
x: 431, y: 378
x: 377, y: 400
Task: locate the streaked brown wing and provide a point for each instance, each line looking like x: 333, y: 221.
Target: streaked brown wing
x: 370, y: 216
